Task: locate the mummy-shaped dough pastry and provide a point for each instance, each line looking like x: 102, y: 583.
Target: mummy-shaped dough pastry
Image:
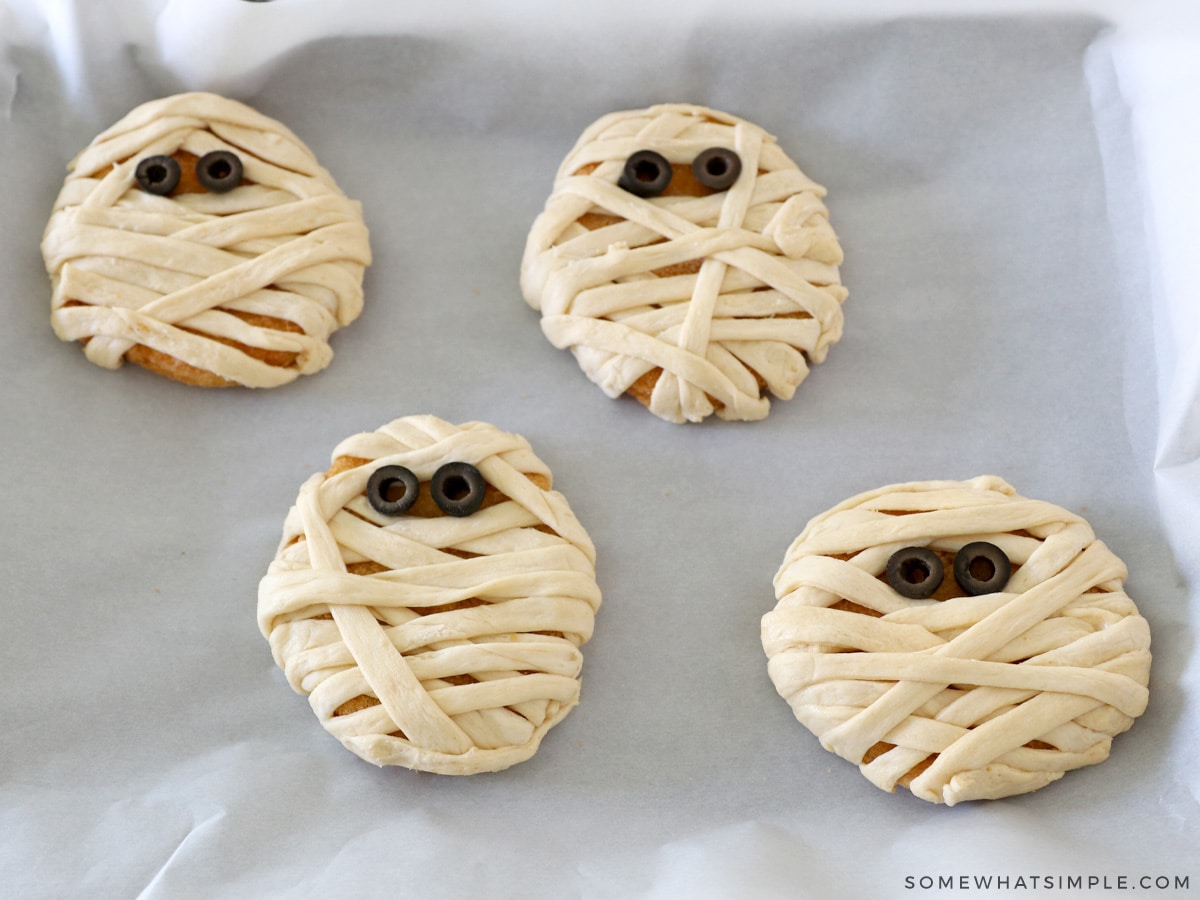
x: 1021, y: 664
x: 430, y: 594
x: 203, y: 241
x: 686, y: 261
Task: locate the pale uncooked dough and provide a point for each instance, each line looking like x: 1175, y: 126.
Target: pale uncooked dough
x: 184, y: 277
x: 704, y: 303
x: 969, y: 697
x: 438, y: 643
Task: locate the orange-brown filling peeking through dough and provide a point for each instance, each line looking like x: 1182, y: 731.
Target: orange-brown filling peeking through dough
x: 188, y: 182
x: 424, y: 507
x: 164, y: 364
x: 948, y: 589
x: 906, y: 779
x: 683, y: 184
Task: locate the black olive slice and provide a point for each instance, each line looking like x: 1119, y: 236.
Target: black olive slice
x: 981, y: 568
x: 392, y: 490
x: 717, y: 168
x: 646, y: 174
x: 915, y: 572
x: 457, y: 488
x: 219, y: 171
x: 157, y: 175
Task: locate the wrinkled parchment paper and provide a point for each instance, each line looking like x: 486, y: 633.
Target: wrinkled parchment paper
x: 1014, y: 200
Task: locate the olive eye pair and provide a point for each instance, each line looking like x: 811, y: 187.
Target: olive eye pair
x: 218, y: 171
x: 456, y: 487
x: 647, y: 173
x: 979, y: 568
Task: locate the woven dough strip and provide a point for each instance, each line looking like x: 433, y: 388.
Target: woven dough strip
x: 967, y: 697
x: 274, y: 265
x: 713, y: 298
x: 441, y: 644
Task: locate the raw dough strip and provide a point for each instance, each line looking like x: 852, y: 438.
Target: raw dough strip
x: 150, y: 270
x: 770, y: 231
x: 971, y: 697
x: 472, y: 658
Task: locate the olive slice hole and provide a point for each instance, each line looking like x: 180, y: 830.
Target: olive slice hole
x: 646, y: 174
x: 219, y: 171
x: 458, y: 488
x: 392, y: 490
x: 157, y: 175
x: 982, y: 569
x: 647, y: 171
x: 914, y: 571
x: 717, y: 168
x: 455, y: 487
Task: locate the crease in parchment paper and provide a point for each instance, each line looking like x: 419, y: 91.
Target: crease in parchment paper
x: 1134, y: 85
x: 1162, y: 361
x: 1129, y: 243
x: 292, y: 804
x: 1158, y: 72
x: 159, y: 881
x: 10, y: 78
x: 64, y: 39
x: 10, y: 72
x: 87, y: 44
x: 744, y: 859
x: 233, y: 48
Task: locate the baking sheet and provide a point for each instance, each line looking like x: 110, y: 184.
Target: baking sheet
x: 984, y: 182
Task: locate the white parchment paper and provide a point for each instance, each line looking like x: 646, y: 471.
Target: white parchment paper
x: 1014, y: 201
